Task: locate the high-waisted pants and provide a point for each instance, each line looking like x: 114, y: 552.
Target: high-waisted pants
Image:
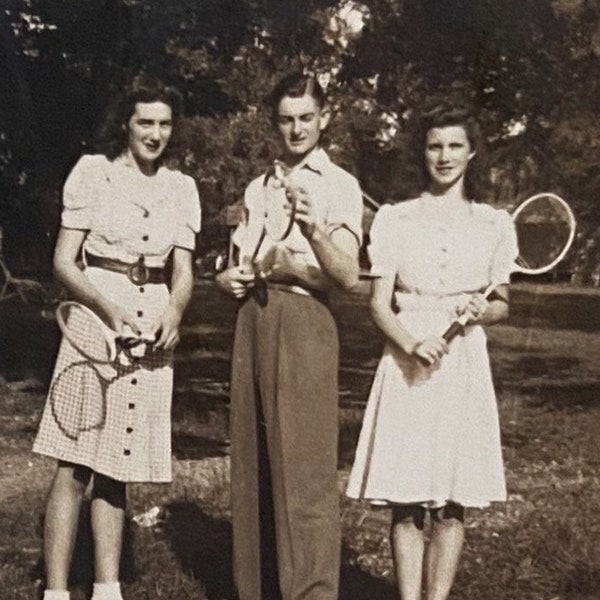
x: 284, y: 431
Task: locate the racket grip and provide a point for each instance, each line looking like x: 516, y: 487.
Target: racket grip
x: 455, y: 328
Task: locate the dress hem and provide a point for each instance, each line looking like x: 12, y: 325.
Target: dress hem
x: 82, y: 463
x: 467, y: 503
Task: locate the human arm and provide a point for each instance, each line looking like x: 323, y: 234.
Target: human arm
x: 430, y: 349
x: 166, y: 329
x: 335, y: 251
x: 67, y: 271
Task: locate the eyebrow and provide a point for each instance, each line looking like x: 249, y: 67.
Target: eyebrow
x: 286, y: 116
x: 148, y: 120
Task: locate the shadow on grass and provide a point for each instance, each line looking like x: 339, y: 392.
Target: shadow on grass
x: 203, y: 546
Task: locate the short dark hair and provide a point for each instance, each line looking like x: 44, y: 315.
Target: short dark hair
x: 295, y: 85
x: 142, y: 87
x: 456, y: 116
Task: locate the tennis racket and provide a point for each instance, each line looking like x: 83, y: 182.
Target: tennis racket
x: 545, y: 226
x: 279, y: 212
x: 77, y: 393
x: 93, y: 339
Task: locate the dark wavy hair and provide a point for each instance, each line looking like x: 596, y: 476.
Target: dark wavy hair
x: 475, y: 180
x: 295, y: 85
x: 142, y: 87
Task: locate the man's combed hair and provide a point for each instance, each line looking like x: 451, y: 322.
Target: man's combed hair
x: 295, y: 85
x: 143, y: 87
x: 454, y: 116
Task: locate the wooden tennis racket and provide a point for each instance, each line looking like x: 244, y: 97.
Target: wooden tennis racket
x: 545, y: 226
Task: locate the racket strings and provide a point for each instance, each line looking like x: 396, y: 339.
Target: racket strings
x: 78, y: 399
x: 545, y: 228
x: 78, y: 395
x: 86, y: 333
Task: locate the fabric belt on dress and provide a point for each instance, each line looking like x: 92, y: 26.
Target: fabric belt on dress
x: 137, y: 272
x: 453, y: 304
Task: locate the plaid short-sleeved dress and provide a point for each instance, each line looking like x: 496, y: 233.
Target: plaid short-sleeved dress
x: 125, y: 214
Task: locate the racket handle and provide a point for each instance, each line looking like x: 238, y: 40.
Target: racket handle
x: 455, y: 328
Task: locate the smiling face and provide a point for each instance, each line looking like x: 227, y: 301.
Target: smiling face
x: 447, y: 155
x: 149, y: 130
x: 300, y: 122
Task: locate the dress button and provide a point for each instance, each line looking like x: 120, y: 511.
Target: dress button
x: 131, y: 406
x: 145, y: 238
x: 134, y: 381
x: 140, y: 313
x: 126, y: 452
x: 129, y: 430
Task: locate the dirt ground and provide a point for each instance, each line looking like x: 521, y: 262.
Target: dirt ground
x: 541, y: 545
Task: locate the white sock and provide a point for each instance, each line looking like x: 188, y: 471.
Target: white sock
x: 107, y: 591
x: 56, y: 595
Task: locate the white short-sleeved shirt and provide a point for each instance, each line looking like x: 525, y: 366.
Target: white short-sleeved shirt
x: 127, y: 213
x: 438, y: 246
x: 335, y: 193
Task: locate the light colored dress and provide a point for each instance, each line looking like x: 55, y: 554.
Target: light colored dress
x: 431, y: 435
x: 126, y: 434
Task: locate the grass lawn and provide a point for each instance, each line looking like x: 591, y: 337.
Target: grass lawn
x: 540, y: 545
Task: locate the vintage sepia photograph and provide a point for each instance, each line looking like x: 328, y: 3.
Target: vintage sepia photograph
x: 299, y: 299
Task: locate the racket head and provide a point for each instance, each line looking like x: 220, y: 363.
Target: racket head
x: 86, y: 332
x: 545, y: 226
x: 77, y: 398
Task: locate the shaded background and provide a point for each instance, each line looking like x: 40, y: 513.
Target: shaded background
x: 528, y: 67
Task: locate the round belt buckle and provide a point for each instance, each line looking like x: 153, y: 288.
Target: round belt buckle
x: 138, y: 273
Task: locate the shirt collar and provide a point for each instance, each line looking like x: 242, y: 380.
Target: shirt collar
x: 317, y: 161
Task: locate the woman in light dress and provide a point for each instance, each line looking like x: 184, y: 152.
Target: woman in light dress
x: 122, y: 208
x: 430, y: 439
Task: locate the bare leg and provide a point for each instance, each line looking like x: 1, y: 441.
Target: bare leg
x: 61, y: 520
x: 408, y: 546
x: 108, y: 519
x: 447, y: 537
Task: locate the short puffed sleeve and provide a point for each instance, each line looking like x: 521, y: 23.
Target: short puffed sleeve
x: 506, y: 252
x: 189, y: 213
x: 81, y: 192
x: 383, y: 240
x: 346, y: 208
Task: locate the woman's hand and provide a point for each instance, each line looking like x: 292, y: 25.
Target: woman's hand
x: 121, y: 320
x: 236, y: 281
x: 166, y: 331
x: 475, y: 311
x: 431, y: 350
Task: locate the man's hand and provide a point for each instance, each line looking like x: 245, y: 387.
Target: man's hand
x: 236, y: 281
x: 306, y: 216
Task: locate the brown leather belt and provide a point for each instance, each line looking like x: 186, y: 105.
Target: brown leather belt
x: 137, y: 272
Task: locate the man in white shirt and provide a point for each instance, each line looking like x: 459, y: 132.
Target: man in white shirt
x: 284, y: 397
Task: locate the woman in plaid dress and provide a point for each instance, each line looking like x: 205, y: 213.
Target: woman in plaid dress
x: 121, y: 208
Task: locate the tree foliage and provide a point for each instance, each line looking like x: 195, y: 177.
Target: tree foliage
x: 528, y: 67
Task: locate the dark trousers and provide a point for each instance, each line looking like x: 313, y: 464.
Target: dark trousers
x: 285, y: 512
